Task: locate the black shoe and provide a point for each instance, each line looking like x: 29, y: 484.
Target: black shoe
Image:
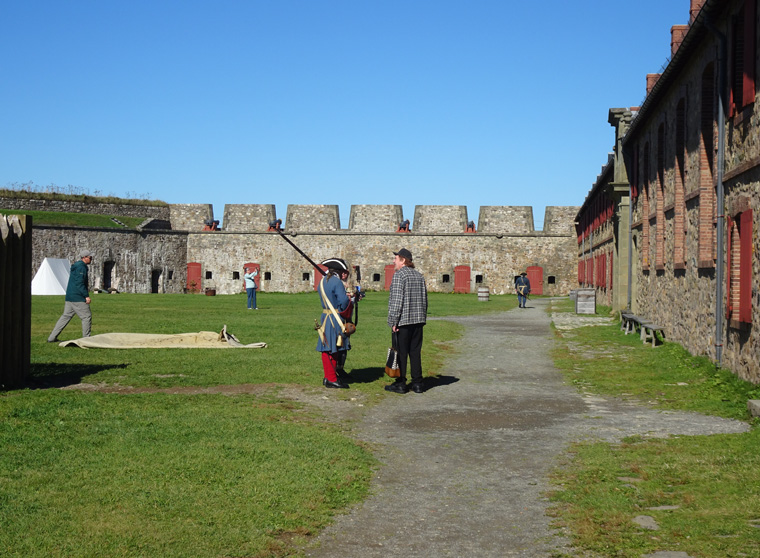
x: 416, y: 388
x: 339, y: 384
x: 397, y: 387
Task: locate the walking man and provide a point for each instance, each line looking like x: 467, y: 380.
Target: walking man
x: 522, y: 286
x: 407, y: 313
x: 77, y: 298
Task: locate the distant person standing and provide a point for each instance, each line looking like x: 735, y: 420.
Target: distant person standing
x: 250, y: 286
x: 407, y: 314
x: 77, y: 299
x: 522, y: 287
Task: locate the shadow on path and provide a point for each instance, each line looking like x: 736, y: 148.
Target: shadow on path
x: 465, y: 465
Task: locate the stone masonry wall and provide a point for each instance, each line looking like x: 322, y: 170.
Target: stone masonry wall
x: 312, y: 218
x: 507, y: 219
x: 375, y: 218
x: 559, y: 220
x: 190, y: 217
x: 112, y: 209
x: 135, y: 255
x: 496, y: 260
x: 440, y: 218
x: 245, y: 217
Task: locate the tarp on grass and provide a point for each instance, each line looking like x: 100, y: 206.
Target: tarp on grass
x: 199, y: 340
x: 52, y: 277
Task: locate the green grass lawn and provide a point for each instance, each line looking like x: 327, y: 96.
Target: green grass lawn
x: 710, y: 484
x: 92, y: 474
x: 65, y: 219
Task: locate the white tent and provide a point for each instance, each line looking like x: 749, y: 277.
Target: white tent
x: 52, y: 277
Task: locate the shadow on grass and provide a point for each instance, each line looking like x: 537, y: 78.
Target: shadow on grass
x: 365, y: 375
x: 46, y: 375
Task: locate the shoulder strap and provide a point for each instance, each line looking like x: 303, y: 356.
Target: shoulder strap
x: 329, y: 304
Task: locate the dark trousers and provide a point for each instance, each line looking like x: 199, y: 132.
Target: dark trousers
x: 409, y: 339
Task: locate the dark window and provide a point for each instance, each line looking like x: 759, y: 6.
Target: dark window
x: 236, y: 275
x: 376, y: 277
x: 170, y: 275
x: 305, y: 276
x: 267, y: 276
x: 478, y: 279
x: 208, y: 275
x: 446, y: 278
x: 551, y: 280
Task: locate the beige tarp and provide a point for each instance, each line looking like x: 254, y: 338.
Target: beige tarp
x: 199, y: 340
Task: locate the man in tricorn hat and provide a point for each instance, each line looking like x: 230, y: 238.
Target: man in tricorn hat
x: 77, y: 300
x: 333, y: 339
x: 407, y: 314
x: 522, y: 287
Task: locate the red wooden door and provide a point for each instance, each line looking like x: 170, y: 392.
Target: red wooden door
x: 318, y: 276
x: 256, y: 279
x: 389, y: 271
x: 536, y: 278
x: 462, y: 279
x: 193, y: 277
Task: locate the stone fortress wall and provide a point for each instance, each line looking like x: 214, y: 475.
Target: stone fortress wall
x: 155, y: 260
x: 506, y: 245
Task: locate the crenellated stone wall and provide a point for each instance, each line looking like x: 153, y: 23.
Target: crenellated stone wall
x: 375, y: 218
x: 248, y: 217
x: 190, y: 216
x: 153, y: 260
x: 312, y: 218
x: 559, y: 220
x: 493, y: 261
x: 440, y: 218
x: 506, y: 219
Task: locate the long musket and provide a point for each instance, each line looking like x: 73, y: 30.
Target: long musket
x: 297, y: 249
x: 308, y: 259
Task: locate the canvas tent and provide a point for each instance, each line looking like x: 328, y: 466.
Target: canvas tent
x: 51, y: 278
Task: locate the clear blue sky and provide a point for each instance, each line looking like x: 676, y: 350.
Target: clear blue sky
x: 409, y: 102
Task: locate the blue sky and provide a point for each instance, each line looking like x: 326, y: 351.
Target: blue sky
x: 409, y: 102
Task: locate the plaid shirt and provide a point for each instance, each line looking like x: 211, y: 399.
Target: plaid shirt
x: 407, y: 304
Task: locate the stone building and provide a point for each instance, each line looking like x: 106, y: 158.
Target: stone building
x: 171, y: 253
x: 689, y: 158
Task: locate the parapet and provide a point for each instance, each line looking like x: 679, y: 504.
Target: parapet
x: 375, y: 218
x: 190, y: 217
x: 440, y: 219
x: 312, y: 218
x: 506, y: 219
x: 560, y: 219
x: 248, y: 217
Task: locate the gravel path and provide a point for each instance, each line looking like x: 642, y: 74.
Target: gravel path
x: 465, y: 464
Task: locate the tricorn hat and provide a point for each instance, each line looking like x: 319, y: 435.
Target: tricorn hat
x: 336, y: 263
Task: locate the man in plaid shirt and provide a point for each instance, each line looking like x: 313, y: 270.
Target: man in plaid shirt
x: 407, y: 313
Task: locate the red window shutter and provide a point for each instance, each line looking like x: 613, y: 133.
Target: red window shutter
x: 748, y: 78
x: 729, y: 244
x: 745, y: 265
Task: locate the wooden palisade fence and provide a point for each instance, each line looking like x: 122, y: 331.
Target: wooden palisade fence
x: 15, y: 299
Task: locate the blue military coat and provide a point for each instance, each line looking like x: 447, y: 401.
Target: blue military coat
x: 335, y: 291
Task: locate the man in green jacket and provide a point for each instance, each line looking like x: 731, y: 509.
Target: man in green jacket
x: 77, y: 298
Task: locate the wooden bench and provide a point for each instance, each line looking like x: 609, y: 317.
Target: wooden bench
x: 630, y: 322
x: 649, y: 331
